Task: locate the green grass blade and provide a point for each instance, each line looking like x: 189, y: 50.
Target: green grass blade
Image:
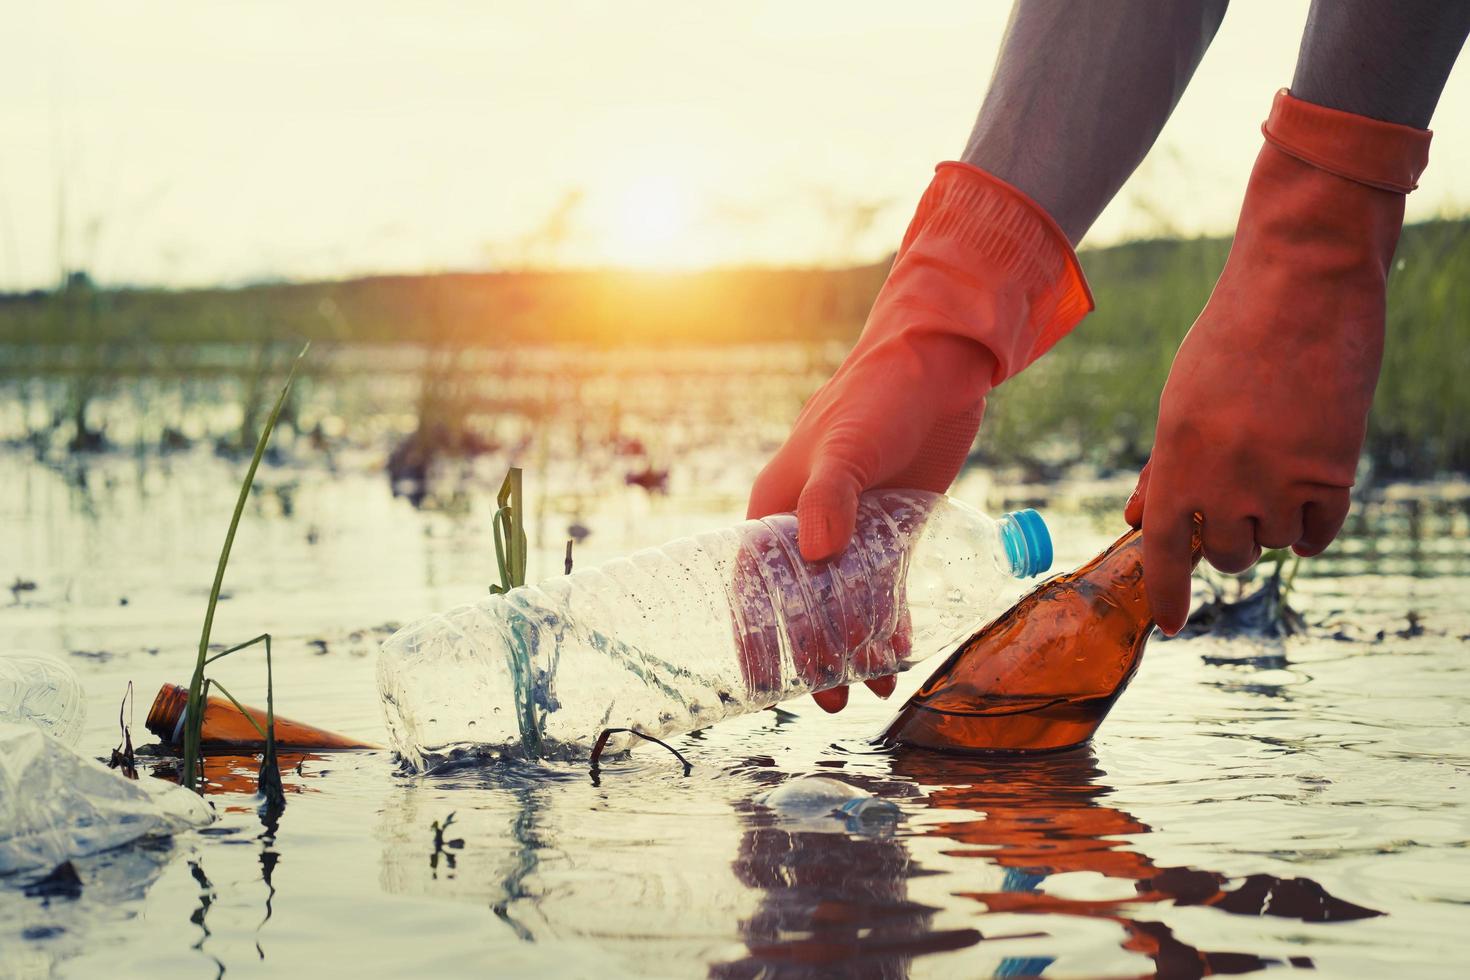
x: 248, y: 717
x: 497, y: 522
x: 510, y: 533
x: 195, y: 716
x: 262, y: 638
x: 518, y: 527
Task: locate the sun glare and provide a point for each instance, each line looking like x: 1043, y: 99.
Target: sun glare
x: 649, y: 224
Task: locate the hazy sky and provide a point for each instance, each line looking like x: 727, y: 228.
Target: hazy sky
x: 194, y: 143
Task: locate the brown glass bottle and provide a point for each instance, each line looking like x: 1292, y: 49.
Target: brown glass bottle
x: 1043, y: 676
x: 224, y: 725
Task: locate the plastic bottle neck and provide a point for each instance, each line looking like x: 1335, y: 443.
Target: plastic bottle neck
x: 1026, y: 543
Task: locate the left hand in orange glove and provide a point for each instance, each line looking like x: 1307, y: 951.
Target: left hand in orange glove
x: 1263, y: 417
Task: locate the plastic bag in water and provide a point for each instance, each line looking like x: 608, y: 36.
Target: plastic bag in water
x: 56, y: 805
x: 822, y: 800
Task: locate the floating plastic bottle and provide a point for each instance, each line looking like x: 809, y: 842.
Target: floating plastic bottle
x: 1044, y: 675
x: 225, y: 725
x: 676, y: 638
x: 42, y: 691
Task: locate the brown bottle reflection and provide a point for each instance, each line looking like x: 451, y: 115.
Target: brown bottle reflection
x: 239, y: 774
x: 838, y: 902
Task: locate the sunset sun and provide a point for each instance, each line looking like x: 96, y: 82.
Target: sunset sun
x: 648, y: 224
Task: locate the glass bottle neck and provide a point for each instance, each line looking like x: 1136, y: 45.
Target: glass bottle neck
x: 1119, y: 571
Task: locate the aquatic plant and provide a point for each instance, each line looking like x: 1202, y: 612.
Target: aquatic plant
x: 270, y: 778
x: 510, y: 535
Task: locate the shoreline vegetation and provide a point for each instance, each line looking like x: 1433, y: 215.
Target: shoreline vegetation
x: 1092, y: 399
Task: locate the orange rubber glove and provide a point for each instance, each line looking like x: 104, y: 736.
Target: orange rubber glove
x: 1262, y: 419
x: 983, y: 284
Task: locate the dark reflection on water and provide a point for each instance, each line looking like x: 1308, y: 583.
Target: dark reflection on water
x: 837, y: 902
x: 831, y: 899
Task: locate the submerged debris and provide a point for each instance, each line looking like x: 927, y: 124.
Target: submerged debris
x: 1265, y: 613
x: 62, y: 882
x: 650, y: 479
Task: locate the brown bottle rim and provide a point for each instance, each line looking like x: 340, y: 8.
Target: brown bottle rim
x: 166, y: 716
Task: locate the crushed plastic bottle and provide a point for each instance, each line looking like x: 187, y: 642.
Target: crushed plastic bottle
x: 56, y: 805
x: 676, y: 638
x: 822, y: 799
x: 40, y: 690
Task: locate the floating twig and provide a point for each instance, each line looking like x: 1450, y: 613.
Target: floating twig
x: 122, y: 756
x: 607, y: 733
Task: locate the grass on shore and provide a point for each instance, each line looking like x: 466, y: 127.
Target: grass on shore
x: 1093, y: 398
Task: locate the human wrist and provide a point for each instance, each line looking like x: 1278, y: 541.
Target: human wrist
x: 1035, y: 178
x: 996, y: 262
x: 1384, y: 155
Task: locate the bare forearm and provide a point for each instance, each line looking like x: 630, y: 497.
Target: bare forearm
x: 1080, y: 93
x: 1379, y: 59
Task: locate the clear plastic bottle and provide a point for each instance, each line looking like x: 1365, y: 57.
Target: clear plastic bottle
x: 676, y: 638
x: 41, y: 691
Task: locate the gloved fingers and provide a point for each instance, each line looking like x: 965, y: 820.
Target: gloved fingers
x: 883, y: 686
x: 1133, y: 509
x: 881, y: 658
x: 1322, y: 518
x: 777, y: 488
x: 1230, y: 542
x: 1168, y: 533
x: 826, y: 510
x: 832, y: 700
x: 1283, y: 529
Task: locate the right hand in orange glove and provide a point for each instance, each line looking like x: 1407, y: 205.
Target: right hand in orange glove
x: 1262, y: 419
x: 982, y: 285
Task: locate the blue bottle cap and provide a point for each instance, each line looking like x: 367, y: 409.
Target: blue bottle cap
x: 1027, y: 542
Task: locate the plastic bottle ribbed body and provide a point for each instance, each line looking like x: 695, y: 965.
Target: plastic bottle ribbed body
x: 675, y: 638
x: 43, y: 691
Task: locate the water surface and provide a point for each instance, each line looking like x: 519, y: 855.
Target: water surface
x: 1297, y: 804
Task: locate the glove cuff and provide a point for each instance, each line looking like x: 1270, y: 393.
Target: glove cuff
x: 1380, y: 154
x: 1000, y: 230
